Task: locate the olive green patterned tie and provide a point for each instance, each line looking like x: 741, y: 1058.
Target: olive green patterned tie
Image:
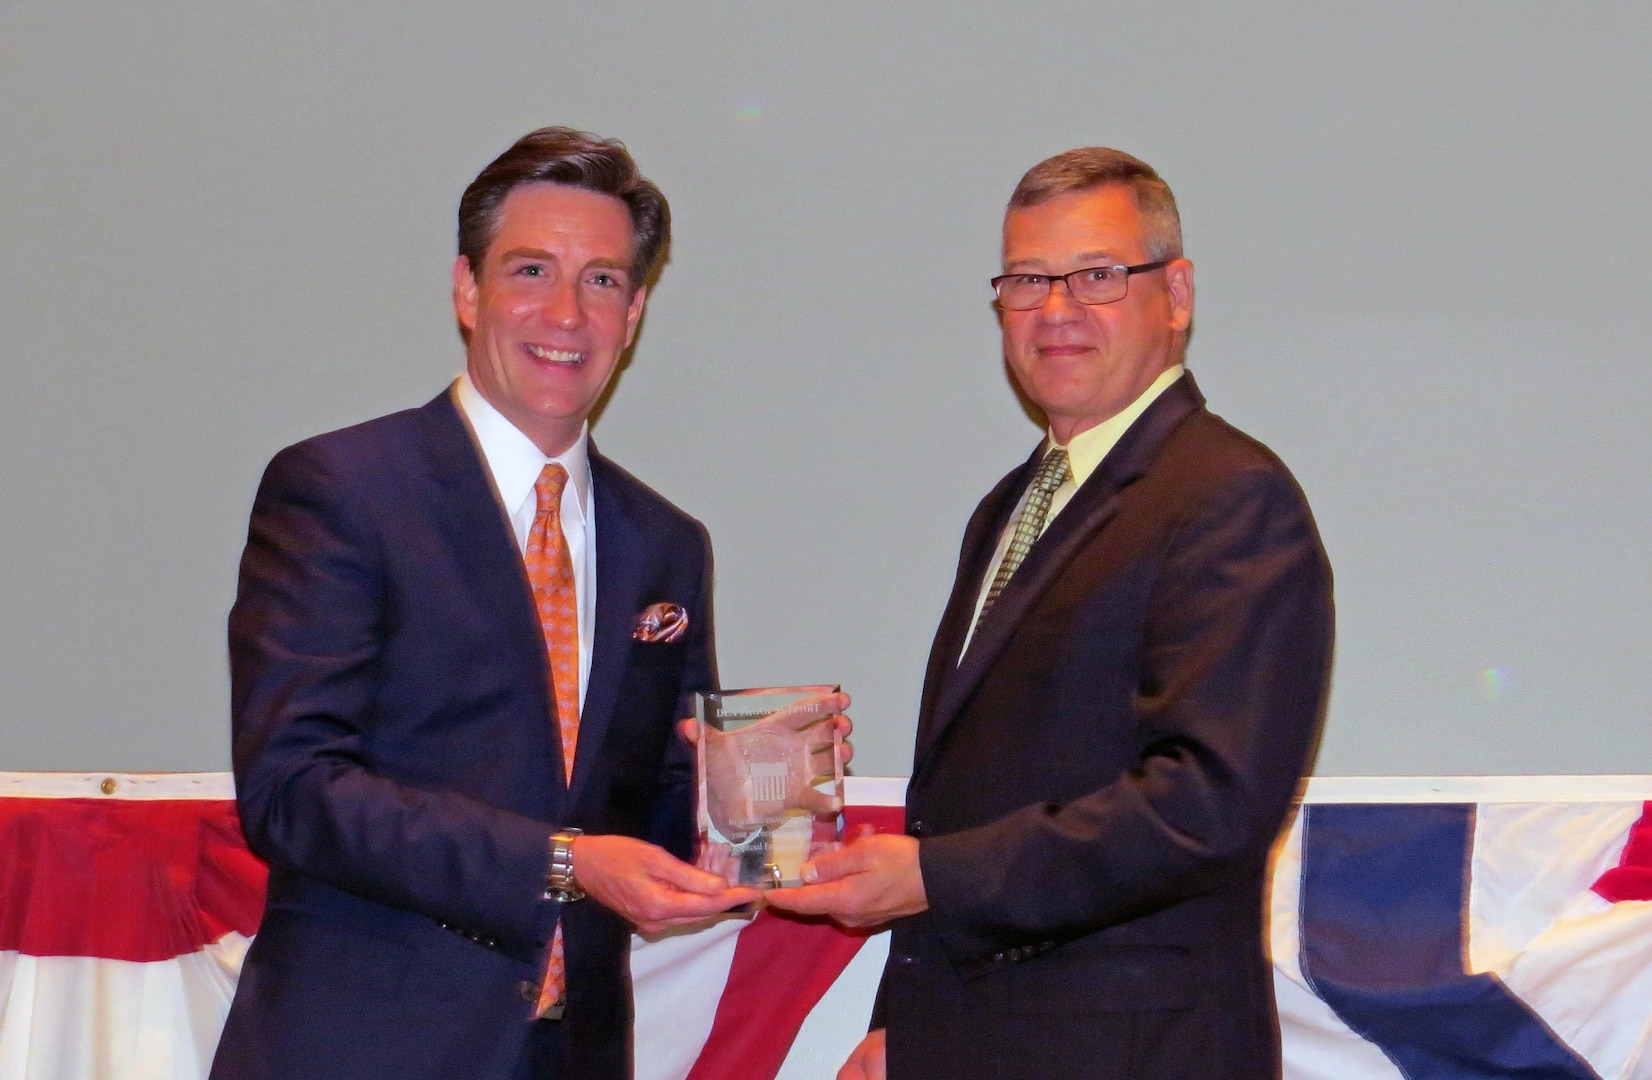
x: 1053, y: 471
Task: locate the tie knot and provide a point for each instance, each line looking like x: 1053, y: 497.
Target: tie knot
x: 1052, y: 471
x: 548, y: 490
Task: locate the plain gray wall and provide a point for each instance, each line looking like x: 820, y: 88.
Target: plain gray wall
x: 1421, y: 235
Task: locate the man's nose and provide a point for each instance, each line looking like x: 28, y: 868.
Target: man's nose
x: 565, y: 307
x: 1060, y: 306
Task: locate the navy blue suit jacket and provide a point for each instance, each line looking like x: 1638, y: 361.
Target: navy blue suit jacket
x: 396, y: 759
x: 1097, y: 783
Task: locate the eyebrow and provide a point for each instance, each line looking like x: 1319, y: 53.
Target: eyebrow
x: 545, y: 256
x: 526, y: 253
x: 1086, y: 260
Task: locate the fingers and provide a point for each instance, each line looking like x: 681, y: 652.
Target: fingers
x: 817, y: 802
x: 821, y: 745
x: 841, y: 728
x: 826, y: 744
x: 875, y: 1055
x: 873, y: 880
x: 853, y: 902
x: 811, y: 711
x: 647, y: 886
x: 833, y: 704
x: 689, y: 729
x: 667, y: 908
x: 827, y: 899
x: 667, y: 922
x: 866, y: 1062
x: 680, y: 875
x: 832, y: 866
x: 685, y: 920
x: 851, y: 858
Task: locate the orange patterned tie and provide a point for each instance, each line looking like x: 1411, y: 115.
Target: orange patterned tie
x: 551, y: 573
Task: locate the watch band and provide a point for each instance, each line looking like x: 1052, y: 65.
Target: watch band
x: 559, y: 877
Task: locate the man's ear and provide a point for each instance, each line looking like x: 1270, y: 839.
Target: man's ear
x: 633, y: 314
x: 1178, y: 277
x: 464, y: 293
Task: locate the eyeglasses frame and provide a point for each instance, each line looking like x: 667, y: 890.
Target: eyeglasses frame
x: 1129, y: 272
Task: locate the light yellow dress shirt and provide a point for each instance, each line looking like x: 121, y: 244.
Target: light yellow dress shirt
x: 1084, y: 456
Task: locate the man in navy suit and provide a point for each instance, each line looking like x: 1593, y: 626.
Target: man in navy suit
x: 1121, y: 697
x: 400, y: 708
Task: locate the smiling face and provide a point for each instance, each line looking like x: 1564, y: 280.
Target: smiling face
x: 551, y: 309
x: 1079, y: 363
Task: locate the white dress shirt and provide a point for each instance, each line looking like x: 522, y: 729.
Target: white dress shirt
x: 514, y: 463
x: 1084, y: 456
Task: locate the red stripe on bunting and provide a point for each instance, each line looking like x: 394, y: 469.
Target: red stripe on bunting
x: 124, y: 879
x: 782, y: 967
x: 883, y: 819
x: 1631, y: 879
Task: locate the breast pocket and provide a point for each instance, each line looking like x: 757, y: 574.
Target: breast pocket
x: 656, y: 654
x: 654, y: 674
x: 1087, y: 664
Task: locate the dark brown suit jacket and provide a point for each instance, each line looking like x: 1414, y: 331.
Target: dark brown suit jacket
x: 1097, y: 783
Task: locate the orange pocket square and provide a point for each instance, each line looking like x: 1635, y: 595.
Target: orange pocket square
x: 661, y: 623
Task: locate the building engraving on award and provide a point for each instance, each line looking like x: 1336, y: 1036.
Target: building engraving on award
x: 771, y: 782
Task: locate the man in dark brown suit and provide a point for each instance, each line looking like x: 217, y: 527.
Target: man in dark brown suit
x: 1121, y: 699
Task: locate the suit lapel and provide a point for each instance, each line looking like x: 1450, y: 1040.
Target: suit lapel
x: 1091, y: 507
x: 481, y: 528
x: 621, y: 544
x: 980, y: 541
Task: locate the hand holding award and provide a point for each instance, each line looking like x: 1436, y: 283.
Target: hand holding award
x: 771, y: 780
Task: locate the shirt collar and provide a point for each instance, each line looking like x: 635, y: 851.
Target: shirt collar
x: 1087, y: 449
x: 512, y: 457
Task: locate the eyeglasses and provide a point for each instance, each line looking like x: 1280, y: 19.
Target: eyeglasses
x: 1092, y: 285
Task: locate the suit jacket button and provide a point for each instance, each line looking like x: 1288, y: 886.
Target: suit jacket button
x: 917, y: 828
x: 529, y: 991
x: 999, y: 958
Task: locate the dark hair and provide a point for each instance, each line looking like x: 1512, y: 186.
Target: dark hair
x: 559, y: 155
x: 1100, y: 166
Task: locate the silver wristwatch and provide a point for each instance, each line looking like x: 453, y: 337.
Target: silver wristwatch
x: 559, y: 879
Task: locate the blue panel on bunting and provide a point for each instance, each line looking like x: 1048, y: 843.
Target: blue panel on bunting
x: 1384, y: 901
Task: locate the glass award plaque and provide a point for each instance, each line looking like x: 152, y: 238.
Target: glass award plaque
x: 771, y: 782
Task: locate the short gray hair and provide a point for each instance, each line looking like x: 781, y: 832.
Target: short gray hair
x: 1091, y: 167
